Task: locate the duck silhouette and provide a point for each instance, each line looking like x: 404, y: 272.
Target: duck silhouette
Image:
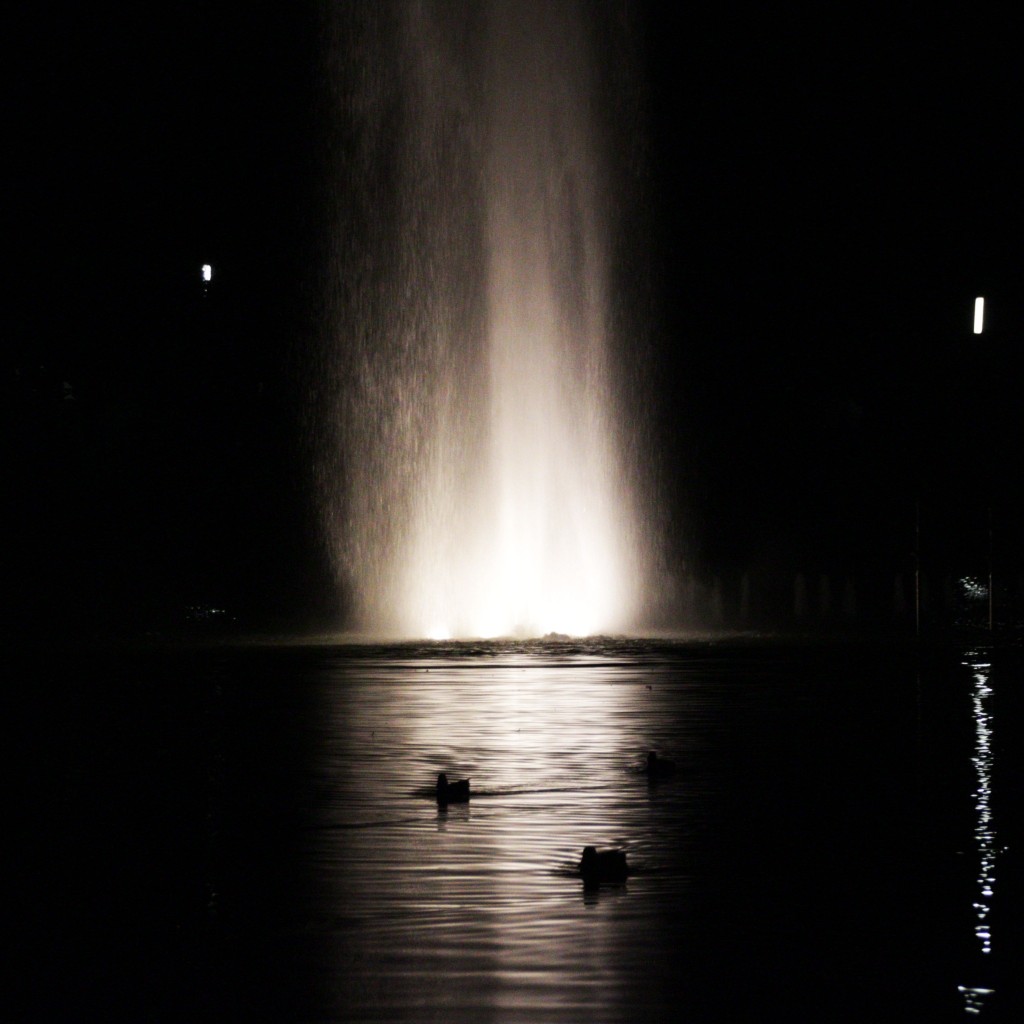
x: 604, y: 866
x: 452, y: 792
x: 658, y: 767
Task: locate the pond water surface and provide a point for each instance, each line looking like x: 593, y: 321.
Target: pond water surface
x: 251, y: 832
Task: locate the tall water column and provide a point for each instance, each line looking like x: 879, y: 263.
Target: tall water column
x: 480, y: 452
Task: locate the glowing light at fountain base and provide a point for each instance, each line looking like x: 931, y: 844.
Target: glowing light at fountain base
x: 515, y: 590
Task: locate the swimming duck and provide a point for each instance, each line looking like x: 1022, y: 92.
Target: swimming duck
x: 606, y: 866
x: 452, y: 792
x: 659, y: 767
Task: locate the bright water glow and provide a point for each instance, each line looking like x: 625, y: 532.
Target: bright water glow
x: 480, y: 483
x: 207, y: 272
x: 979, y: 314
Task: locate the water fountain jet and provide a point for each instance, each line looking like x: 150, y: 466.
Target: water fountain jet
x: 477, y: 464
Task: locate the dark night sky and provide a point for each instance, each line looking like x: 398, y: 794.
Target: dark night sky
x: 827, y: 195
x: 837, y: 190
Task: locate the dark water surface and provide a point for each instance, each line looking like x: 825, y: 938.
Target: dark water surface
x: 250, y: 833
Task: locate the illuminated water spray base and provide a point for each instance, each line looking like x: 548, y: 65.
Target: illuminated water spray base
x: 486, y: 493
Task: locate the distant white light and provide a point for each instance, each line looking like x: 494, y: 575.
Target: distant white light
x: 979, y: 313
x: 207, y: 272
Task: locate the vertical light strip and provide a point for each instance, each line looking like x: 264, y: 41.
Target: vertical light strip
x: 979, y: 314
x: 984, y: 828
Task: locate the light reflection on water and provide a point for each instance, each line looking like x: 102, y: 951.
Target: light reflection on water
x: 479, y: 905
x: 985, y: 835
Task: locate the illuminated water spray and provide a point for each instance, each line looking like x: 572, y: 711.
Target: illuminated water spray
x: 478, y: 429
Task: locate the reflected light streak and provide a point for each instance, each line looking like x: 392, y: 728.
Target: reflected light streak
x: 974, y: 998
x: 984, y: 830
